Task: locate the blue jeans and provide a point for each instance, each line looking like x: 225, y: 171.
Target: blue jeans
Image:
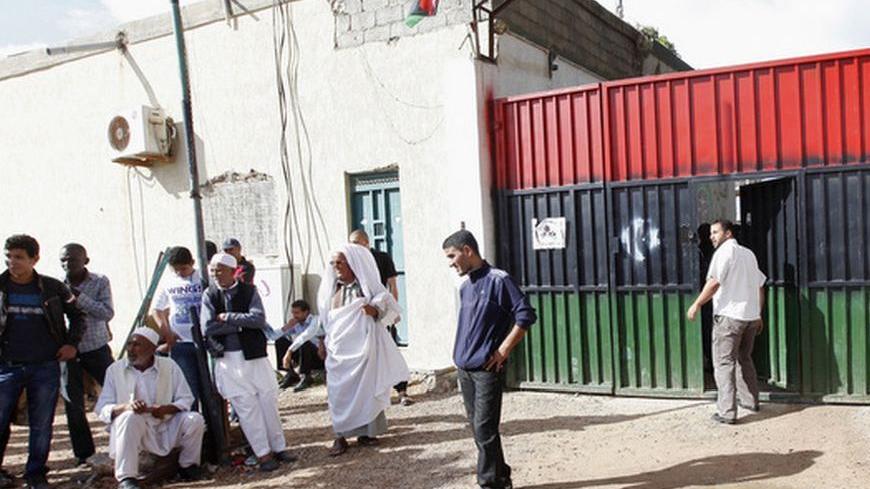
x: 95, y: 364
x: 184, y: 355
x: 42, y: 382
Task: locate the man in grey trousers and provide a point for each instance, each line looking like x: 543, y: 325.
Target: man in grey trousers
x: 736, y: 286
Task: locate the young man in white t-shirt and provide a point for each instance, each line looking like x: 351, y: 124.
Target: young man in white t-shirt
x: 177, y: 294
x: 736, y: 286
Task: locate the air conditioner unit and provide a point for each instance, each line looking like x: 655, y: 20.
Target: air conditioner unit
x: 141, y: 136
x: 274, y: 283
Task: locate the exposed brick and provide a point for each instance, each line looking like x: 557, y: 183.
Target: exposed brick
x: 459, y: 16
x: 352, y: 6
x: 388, y: 15
x: 380, y: 33
x: 399, y: 29
x: 430, y: 24
x: 342, y: 23
x: 362, y: 21
x: 372, y: 5
x: 349, y: 39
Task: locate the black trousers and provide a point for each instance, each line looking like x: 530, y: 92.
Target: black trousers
x: 481, y: 394
x: 95, y: 364
x: 281, y: 346
x: 403, y: 385
x: 307, y: 359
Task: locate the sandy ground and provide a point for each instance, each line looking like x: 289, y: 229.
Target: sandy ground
x: 552, y: 441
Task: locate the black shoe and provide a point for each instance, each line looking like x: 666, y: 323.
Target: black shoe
x: 303, y: 384
x: 367, y: 441
x: 81, y: 461
x: 289, y: 379
x: 285, y: 457
x: 269, y: 465
x: 6, y: 479
x: 192, y: 473
x: 37, y: 482
x: 128, y: 483
x: 723, y: 420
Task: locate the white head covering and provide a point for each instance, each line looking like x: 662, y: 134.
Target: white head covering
x: 225, y: 259
x: 365, y: 269
x: 148, y: 333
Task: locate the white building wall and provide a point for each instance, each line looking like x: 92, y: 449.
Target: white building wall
x: 417, y: 103
x: 407, y: 103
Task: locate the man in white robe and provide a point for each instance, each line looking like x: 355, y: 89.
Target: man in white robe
x: 146, y: 403
x: 233, y: 315
x: 362, y: 361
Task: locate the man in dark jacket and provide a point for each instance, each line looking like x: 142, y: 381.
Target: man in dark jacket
x: 232, y: 314
x: 33, y: 341
x: 494, y: 315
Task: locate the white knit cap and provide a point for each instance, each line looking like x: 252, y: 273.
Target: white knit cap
x: 225, y: 259
x: 148, y: 333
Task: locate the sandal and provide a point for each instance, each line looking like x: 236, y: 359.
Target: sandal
x: 367, y: 441
x: 339, y: 446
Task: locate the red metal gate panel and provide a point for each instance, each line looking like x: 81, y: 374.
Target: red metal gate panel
x: 803, y: 112
x: 549, y: 140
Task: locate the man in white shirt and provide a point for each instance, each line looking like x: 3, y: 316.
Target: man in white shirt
x: 178, y: 293
x: 736, y: 286
x: 146, y: 403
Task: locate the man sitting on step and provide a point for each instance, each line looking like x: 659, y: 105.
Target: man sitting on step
x: 146, y: 403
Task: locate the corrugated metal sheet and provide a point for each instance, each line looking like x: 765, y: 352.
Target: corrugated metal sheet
x: 571, y: 344
x: 835, y: 318
x: 550, y: 140
x: 805, y: 112
x: 773, y: 116
x: 654, y: 268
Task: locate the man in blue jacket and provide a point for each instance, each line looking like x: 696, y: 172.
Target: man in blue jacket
x: 494, y: 315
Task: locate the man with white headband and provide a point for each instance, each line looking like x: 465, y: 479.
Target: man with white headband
x: 146, y: 403
x: 362, y: 361
x: 232, y: 314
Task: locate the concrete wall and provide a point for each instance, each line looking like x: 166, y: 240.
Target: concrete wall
x: 407, y: 103
x: 589, y: 35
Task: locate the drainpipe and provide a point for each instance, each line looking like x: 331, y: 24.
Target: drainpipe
x: 190, y: 140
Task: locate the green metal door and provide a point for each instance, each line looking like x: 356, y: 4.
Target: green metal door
x: 376, y: 207
x: 770, y: 228
x: 835, y: 292
x: 654, y: 264
x: 569, y: 348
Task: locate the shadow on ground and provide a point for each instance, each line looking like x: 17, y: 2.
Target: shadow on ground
x: 707, y: 471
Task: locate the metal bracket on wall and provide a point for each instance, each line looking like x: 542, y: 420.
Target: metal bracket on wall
x: 482, y: 13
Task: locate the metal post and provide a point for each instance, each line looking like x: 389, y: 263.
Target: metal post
x: 190, y: 138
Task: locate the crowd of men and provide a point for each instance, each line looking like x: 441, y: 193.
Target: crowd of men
x: 53, y: 331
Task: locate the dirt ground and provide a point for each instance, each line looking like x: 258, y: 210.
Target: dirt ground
x: 552, y: 441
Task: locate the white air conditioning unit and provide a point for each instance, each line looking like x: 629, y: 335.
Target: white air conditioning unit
x: 274, y: 283
x: 141, y: 136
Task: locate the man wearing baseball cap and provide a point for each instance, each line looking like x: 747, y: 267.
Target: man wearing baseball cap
x: 244, y: 271
x: 146, y: 403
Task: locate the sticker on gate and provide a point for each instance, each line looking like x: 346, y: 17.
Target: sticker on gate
x: 548, y: 233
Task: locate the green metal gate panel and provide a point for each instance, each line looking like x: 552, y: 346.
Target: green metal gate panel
x: 835, y: 319
x: 570, y: 346
x: 654, y: 262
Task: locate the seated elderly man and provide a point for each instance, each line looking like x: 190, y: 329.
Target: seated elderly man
x: 146, y: 403
x: 233, y: 316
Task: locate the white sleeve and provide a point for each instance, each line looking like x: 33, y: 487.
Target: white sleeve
x: 182, y: 397
x: 719, y: 265
x: 162, y: 301
x: 107, y: 402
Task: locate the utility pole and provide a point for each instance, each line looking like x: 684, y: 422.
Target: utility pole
x: 190, y: 139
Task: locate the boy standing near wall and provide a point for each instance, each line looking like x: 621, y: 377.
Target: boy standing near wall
x: 177, y: 295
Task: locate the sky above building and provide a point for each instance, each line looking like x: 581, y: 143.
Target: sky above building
x: 706, y: 33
